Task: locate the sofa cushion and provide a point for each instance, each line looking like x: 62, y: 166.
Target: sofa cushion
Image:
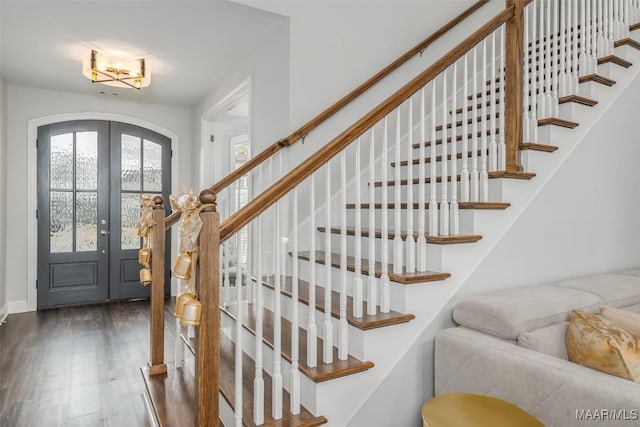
x: 507, y: 314
x: 597, y: 343
x: 548, y: 340
x: 616, y: 290
x: 625, y: 319
x: 632, y: 308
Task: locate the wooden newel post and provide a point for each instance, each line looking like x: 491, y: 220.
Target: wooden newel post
x: 208, y: 351
x: 156, y: 364
x: 514, y: 85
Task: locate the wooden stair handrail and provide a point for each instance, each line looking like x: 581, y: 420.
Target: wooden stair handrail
x: 333, y: 109
x: 278, y: 190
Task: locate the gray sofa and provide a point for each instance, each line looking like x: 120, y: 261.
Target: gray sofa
x: 510, y: 345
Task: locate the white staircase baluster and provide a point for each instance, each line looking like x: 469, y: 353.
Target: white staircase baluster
x: 502, y: 146
x: 484, y: 176
x: 528, y: 86
x: 554, y: 58
x: 327, y: 352
x: 357, y: 280
x: 475, y: 175
x: 464, y: 172
x: 226, y: 284
x: 410, y: 243
x: 433, y: 203
x: 547, y: 63
x: 238, y: 338
x: 258, y: 381
x: 372, y: 288
x: 454, y: 222
x: 493, y: 75
x: 565, y: 43
x: 343, y: 330
x: 279, y: 250
x: 422, y: 240
x: 294, y: 377
x: 384, y: 278
x: 576, y: 48
x: 397, y: 239
x: 312, y: 328
x: 444, y: 194
x: 532, y: 76
x: 600, y: 40
x: 538, y: 63
x: 583, y: 59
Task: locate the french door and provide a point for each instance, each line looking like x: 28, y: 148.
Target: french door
x: 91, y: 175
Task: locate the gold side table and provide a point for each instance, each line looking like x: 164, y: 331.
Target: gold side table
x: 474, y: 410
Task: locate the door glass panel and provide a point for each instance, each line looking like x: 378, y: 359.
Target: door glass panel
x: 87, y: 160
x: 86, y: 221
x: 130, y: 212
x: 61, y: 221
x: 131, y: 166
x: 61, y: 161
x: 152, y: 173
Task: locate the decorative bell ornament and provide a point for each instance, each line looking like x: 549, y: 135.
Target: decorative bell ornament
x: 144, y: 256
x: 182, y: 266
x: 181, y: 300
x: 191, y: 313
x: 145, y: 276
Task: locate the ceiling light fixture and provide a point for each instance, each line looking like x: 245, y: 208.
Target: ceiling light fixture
x: 116, y: 71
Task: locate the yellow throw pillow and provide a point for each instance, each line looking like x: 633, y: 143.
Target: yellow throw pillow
x: 597, y: 343
x: 625, y: 319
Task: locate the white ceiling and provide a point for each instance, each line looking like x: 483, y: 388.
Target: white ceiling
x: 190, y: 45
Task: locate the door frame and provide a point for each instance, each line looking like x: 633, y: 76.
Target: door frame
x: 32, y: 188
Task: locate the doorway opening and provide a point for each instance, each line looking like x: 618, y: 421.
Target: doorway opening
x: 91, y: 175
x: 226, y: 133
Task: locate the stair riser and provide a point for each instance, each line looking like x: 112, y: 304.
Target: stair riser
x: 466, y: 219
x: 553, y: 135
x: 593, y: 90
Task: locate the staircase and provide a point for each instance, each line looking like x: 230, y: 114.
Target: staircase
x: 351, y: 255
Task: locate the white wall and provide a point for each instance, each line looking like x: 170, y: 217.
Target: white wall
x: 584, y: 221
x: 268, y: 71
x: 25, y: 104
x: 3, y: 199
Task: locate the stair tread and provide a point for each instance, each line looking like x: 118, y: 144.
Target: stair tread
x: 627, y: 41
x: 461, y: 205
x: 440, y: 240
x: 227, y: 367
x: 614, y: 59
x: 596, y: 78
x: 492, y: 175
x: 323, y: 371
x: 403, y: 278
x: 557, y: 122
x: 176, y: 405
x: 634, y: 27
x: 365, y: 322
x: 171, y: 396
x: 578, y: 99
x: 538, y: 147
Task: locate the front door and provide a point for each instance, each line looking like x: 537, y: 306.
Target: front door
x: 90, y: 178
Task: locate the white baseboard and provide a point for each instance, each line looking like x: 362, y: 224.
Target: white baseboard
x: 4, y: 312
x: 17, y: 306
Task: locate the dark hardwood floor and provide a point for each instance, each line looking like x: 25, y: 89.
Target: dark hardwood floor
x: 77, y: 366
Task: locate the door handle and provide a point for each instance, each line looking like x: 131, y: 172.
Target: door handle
x: 103, y: 232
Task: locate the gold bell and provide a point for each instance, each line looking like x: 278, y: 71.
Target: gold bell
x: 145, y: 276
x: 144, y: 256
x: 182, y: 266
x: 191, y: 313
x: 182, y: 299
